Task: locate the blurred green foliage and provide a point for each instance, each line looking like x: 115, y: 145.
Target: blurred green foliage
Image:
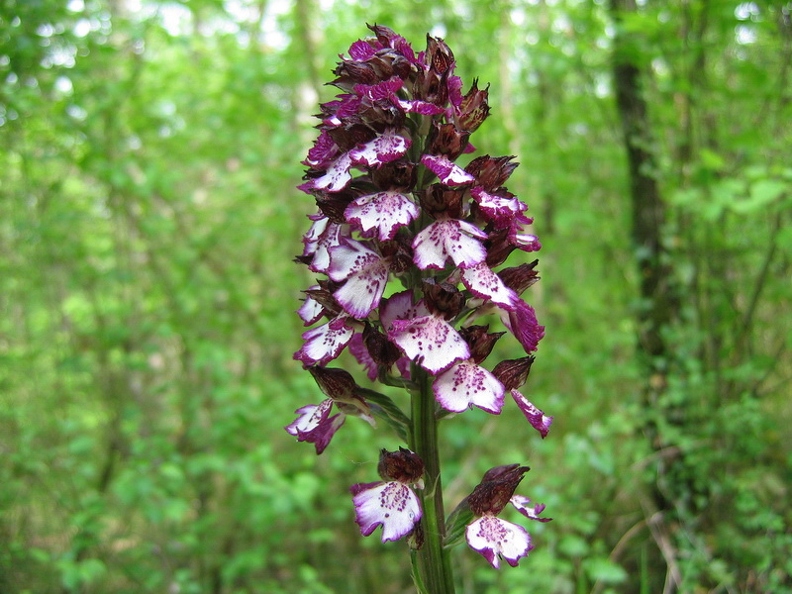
x: 148, y: 217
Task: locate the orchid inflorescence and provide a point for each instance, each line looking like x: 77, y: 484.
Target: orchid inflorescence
x: 393, y: 204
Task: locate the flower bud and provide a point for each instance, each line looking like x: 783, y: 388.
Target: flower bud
x: 519, y: 278
x: 496, y: 489
x: 447, y: 139
x: 480, y: 341
x: 443, y: 298
x: 491, y: 172
x: 513, y: 373
x: 337, y: 384
x: 403, y: 466
x: 382, y: 351
x: 474, y: 108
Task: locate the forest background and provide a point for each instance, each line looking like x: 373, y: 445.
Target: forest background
x: 149, y: 153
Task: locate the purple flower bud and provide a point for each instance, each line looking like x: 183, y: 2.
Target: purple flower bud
x: 480, y: 341
x: 443, y: 299
x: 496, y: 489
x: 513, y: 373
x: 519, y: 278
x: 473, y: 109
x: 402, y: 465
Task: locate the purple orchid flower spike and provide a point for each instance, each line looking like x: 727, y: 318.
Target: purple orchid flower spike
x: 407, y: 249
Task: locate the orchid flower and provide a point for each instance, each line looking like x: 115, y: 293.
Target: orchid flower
x: 407, y: 246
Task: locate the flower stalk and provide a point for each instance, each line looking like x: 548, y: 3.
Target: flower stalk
x: 432, y: 561
x: 393, y: 204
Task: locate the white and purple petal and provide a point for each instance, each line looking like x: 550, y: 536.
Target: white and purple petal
x: 501, y: 210
x: 465, y: 385
x: 332, y: 236
x: 484, y: 283
x: 324, y: 343
x: 385, y: 212
x: 420, y: 107
x: 521, y: 503
x: 346, y: 106
x: 538, y: 420
x: 385, y: 148
x: 430, y: 341
x: 336, y: 176
x: 365, y: 273
x: 526, y: 242
x: 495, y: 539
x: 360, y: 51
x: 315, y: 425
x: 400, y: 306
x: 449, y: 238
x: 314, y: 233
x: 322, y: 152
x: 385, y: 89
x: 521, y: 321
x: 392, y: 505
x: 446, y: 170
x: 311, y: 310
x: 358, y: 349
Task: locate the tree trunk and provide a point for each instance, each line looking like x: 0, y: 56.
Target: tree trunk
x: 658, y: 306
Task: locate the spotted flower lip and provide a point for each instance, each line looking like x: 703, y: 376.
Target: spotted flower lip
x: 447, y: 171
x: 391, y: 503
x: 465, y: 385
x: 449, y: 239
x: 324, y: 343
x: 364, y: 273
x: 382, y: 212
x: 430, y: 341
x: 315, y: 425
x: 495, y: 539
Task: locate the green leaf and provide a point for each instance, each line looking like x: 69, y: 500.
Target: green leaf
x: 456, y: 523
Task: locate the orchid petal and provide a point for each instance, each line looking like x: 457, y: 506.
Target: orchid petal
x: 359, y: 350
x: 311, y: 310
x: 526, y: 242
x: 324, y: 343
x: 465, y: 385
x: 365, y: 273
x: 420, y: 107
x: 311, y: 238
x: 330, y: 237
x: 430, y: 341
x: 392, y: 505
x: 501, y: 210
x: 521, y: 321
x: 384, y: 211
x: 336, y: 176
x: 538, y: 420
x: 449, y: 238
x: 484, y: 283
x: 361, y: 51
x: 520, y: 502
x: 495, y: 538
x: 447, y: 172
x: 323, y: 151
x: 385, y: 148
x: 400, y: 307
x: 315, y: 425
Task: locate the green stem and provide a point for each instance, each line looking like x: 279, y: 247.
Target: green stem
x: 431, y: 563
